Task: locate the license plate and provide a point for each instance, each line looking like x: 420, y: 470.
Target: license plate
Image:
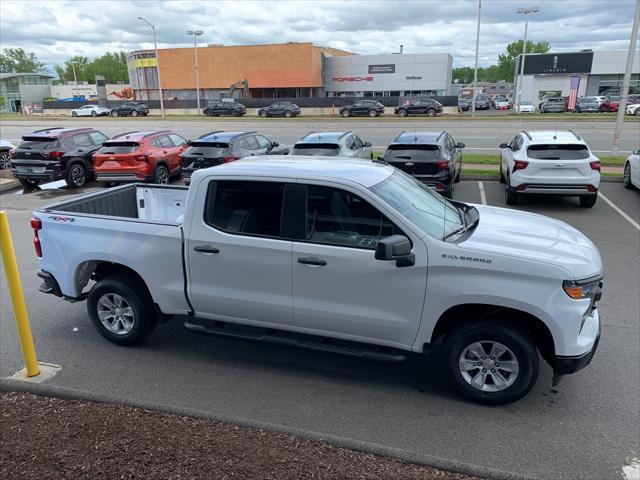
x: 22, y: 169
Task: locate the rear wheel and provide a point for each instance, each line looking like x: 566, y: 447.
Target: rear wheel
x: 288, y: 113
x: 431, y: 112
x: 588, y: 201
x: 76, y: 176
x: 491, y: 363
x: 161, y: 176
x: 346, y: 113
x: 74, y: 114
x: 263, y: 114
x: 94, y: 114
x: 134, y: 113
x: 626, y: 177
x: 121, y: 310
x: 636, y: 112
x: 402, y: 112
x: 5, y: 160
x: 114, y: 113
x: 510, y: 194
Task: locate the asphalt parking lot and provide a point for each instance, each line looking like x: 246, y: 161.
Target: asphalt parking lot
x: 585, y: 428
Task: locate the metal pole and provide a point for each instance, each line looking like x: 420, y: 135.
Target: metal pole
x: 73, y: 66
x: 475, y: 70
x: 155, y: 46
x: 524, y: 53
x: 626, y: 80
x: 17, y: 298
x: 195, y: 43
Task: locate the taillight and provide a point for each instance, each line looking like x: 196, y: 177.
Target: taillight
x: 591, y: 188
x: 443, y: 164
x: 595, y: 165
x: 55, y: 153
x: 230, y: 159
x: 141, y: 158
x: 520, y: 165
x: 36, y: 224
x: 439, y: 186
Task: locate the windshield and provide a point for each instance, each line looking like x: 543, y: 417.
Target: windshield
x: 430, y: 212
x: 558, y: 152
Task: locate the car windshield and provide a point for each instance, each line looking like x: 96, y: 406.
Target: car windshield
x: 316, y: 149
x: 412, y: 152
x: 526, y: 103
x: 426, y: 209
x: 558, y: 152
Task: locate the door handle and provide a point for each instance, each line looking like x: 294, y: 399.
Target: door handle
x: 206, y: 249
x: 312, y: 261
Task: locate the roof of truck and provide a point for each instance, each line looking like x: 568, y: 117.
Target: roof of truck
x: 364, y: 172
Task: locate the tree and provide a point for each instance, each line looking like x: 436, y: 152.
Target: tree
x: 507, y: 61
x: 112, y: 65
x: 16, y: 60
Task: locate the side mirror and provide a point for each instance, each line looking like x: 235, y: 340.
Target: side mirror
x: 367, y: 144
x: 504, y: 145
x: 274, y: 144
x: 381, y: 159
x: 188, y: 142
x: 460, y: 145
x: 395, y: 247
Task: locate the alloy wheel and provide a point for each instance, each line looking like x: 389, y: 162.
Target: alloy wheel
x: 488, y: 366
x: 78, y: 175
x: 115, y: 314
x: 5, y: 160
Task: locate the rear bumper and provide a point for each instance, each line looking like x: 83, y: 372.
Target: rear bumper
x: 48, y: 174
x: 122, y: 177
x: 559, y: 189
x: 49, y: 283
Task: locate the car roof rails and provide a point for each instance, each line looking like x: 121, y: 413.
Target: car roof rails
x: 210, y: 133
x: 575, y: 135
x: 527, y: 134
x: 47, y: 129
x: 156, y: 133
x: 125, y: 134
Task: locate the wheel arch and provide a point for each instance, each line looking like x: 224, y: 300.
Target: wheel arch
x: 532, y: 325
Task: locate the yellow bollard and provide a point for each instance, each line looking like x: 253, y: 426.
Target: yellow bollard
x: 17, y: 297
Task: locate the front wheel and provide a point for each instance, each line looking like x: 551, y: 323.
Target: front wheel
x: 588, y: 201
x: 626, y: 177
x: 431, y: 112
x: 94, y: 114
x: 263, y: 114
x: 5, y: 160
x: 120, y: 309
x: 288, y: 114
x: 373, y: 113
x: 491, y: 363
x: 346, y: 113
x: 161, y: 176
x: 134, y: 113
x: 510, y: 194
x: 74, y: 114
x: 502, y: 178
x: 208, y: 113
x: 402, y: 113
x: 114, y: 113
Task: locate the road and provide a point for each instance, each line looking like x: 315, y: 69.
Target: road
x: 586, y: 428
x: 479, y: 136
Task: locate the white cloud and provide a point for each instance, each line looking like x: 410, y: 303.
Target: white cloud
x: 57, y: 30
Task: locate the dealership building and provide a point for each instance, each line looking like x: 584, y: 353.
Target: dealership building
x: 598, y: 73
x: 289, y: 70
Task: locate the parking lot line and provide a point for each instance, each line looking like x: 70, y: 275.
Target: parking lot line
x: 483, y: 197
x: 617, y: 209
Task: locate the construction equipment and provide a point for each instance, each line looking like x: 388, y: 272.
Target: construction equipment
x: 245, y: 89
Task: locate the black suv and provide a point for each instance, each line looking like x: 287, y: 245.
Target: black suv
x: 363, y: 107
x: 285, y: 109
x: 219, y: 107
x: 432, y: 157
x: 130, y: 108
x: 419, y: 106
x: 215, y: 148
x: 56, y: 153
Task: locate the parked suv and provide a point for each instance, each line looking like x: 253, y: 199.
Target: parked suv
x: 483, y: 102
x: 363, y: 107
x: 284, y: 109
x: 554, y: 104
x: 432, y: 157
x: 140, y: 157
x: 419, y: 106
x: 587, y: 105
x: 130, y: 108
x: 56, y: 153
x: 549, y: 163
x: 220, y: 107
x: 333, y: 144
x: 216, y: 148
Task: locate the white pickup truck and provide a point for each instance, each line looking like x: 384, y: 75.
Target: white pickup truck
x: 340, y: 255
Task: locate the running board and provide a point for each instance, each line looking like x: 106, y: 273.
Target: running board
x: 309, y: 342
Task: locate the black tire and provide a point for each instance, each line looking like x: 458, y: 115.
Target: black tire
x: 28, y: 182
x: 431, y: 113
x: 74, y: 114
x: 345, y: 113
x: 208, y: 113
x: 144, y: 317
x: 521, y: 350
x: 588, y: 201
x: 402, y: 112
x: 263, y: 114
x: 502, y: 179
x: 5, y: 160
x: 94, y: 114
x: 288, y: 113
x: 161, y: 175
x: 114, y: 113
x: 232, y: 113
x: 134, y: 113
x: 626, y: 177
x: 76, y: 175
x: 457, y: 179
x: 373, y: 113
x: 636, y: 112
x: 510, y: 194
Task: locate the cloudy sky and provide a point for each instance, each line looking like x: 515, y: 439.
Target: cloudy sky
x: 57, y: 30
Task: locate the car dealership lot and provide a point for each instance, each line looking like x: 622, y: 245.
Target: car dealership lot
x: 584, y: 428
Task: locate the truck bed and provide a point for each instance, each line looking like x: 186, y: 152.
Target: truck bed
x: 149, y: 203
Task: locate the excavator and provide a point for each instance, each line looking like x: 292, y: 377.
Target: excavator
x: 245, y: 89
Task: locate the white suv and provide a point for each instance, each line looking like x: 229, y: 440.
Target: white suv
x: 549, y: 162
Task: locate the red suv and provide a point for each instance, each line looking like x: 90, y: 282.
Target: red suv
x: 140, y: 156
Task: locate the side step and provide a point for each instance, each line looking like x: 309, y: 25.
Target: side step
x: 309, y: 342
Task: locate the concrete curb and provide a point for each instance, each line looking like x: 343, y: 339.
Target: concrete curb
x: 4, y: 186
x: 7, y: 385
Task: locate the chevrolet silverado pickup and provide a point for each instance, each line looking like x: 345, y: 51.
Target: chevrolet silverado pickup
x: 346, y: 256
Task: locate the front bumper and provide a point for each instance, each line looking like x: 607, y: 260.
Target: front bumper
x: 566, y: 365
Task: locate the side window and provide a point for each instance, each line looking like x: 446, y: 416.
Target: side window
x: 245, y: 207
x: 177, y: 140
x: 451, y: 145
x: 164, y: 141
x: 97, y: 138
x: 156, y: 142
x: 82, y: 140
x: 263, y: 142
x: 349, y: 143
x: 358, y: 142
x: 338, y: 217
x: 514, y: 143
x: 251, y: 142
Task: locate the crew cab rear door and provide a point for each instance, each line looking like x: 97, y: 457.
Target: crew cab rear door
x: 239, y: 253
x: 338, y: 285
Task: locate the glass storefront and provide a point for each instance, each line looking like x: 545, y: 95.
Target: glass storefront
x: 612, y: 84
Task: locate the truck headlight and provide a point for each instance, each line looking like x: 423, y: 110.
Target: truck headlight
x: 577, y: 291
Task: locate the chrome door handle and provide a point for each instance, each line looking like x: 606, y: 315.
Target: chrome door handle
x: 312, y: 261
x: 206, y: 249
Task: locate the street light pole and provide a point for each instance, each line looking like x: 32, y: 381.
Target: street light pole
x: 155, y: 46
x: 73, y: 66
x: 525, y: 12
x: 196, y: 34
x: 475, y: 70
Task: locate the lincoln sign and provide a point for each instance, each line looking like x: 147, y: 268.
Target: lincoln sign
x: 557, y: 63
